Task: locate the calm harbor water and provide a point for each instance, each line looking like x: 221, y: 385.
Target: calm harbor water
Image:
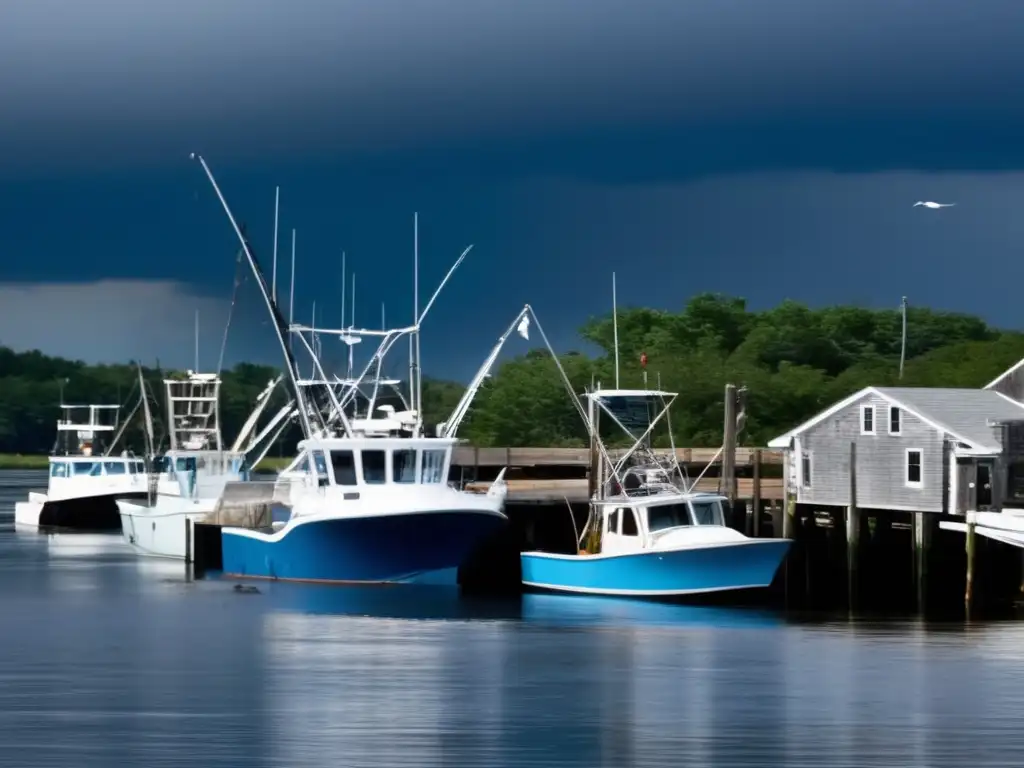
x: 107, y: 659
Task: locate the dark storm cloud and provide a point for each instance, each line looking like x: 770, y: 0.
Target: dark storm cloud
x: 665, y: 87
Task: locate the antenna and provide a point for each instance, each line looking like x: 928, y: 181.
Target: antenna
x: 416, y: 315
x: 196, y: 369
x: 291, y: 297
x: 353, y: 325
x: 383, y: 323
x: 273, y: 274
x: 615, y: 330
x: 342, y: 289
x: 903, y: 344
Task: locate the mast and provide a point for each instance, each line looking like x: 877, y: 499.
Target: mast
x: 275, y: 313
x: 273, y: 279
x: 615, y: 330
x: 291, y: 297
x: 903, y: 344
x: 418, y: 406
x: 196, y: 369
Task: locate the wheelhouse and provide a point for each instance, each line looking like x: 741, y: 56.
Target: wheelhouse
x: 63, y: 467
x: 640, y: 518
x: 376, y: 461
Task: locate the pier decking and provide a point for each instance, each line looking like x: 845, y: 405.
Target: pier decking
x: 557, y: 475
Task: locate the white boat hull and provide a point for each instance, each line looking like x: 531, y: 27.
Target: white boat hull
x: 161, y: 530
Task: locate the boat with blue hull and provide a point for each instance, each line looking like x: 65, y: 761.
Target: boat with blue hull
x: 367, y: 499
x: 678, y: 563
x: 649, y: 535
x: 370, y: 510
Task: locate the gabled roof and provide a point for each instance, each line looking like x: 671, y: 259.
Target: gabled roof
x: 1008, y: 372
x: 962, y: 413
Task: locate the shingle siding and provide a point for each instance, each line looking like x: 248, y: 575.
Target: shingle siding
x: 881, y: 460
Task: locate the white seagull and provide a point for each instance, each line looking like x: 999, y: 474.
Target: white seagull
x: 930, y: 204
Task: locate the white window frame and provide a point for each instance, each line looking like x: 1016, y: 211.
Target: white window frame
x: 906, y: 468
x: 899, y: 415
x: 874, y: 420
x: 805, y: 481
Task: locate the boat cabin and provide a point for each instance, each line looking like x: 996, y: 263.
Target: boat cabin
x: 631, y: 523
x: 95, y: 466
x: 375, y: 461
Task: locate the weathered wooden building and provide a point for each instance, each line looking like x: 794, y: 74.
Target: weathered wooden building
x: 918, y: 449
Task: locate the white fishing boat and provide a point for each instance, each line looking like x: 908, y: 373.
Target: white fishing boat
x: 368, y: 499
x: 189, y: 478
x: 85, y: 480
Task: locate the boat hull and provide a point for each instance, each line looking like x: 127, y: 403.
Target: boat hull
x: 696, y: 570
x: 160, y: 530
x: 84, y: 513
x: 415, y: 547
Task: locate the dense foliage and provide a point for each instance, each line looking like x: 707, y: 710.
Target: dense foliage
x: 793, y: 360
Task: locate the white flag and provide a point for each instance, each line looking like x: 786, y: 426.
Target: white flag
x: 524, y: 327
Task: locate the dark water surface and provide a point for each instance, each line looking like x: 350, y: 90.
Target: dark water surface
x: 110, y: 660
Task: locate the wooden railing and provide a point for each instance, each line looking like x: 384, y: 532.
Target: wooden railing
x: 469, y: 456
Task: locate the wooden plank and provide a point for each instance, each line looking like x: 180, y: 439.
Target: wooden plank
x: 576, y: 490
x: 468, y: 456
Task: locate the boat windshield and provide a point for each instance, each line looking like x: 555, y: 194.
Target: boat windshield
x: 707, y: 512
x: 662, y: 516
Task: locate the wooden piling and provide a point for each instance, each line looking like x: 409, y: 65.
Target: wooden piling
x: 969, y: 581
x: 188, y: 546
x: 729, y: 445
x: 922, y: 548
x: 754, y: 518
x: 852, y: 534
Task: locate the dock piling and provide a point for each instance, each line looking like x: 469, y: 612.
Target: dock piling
x: 852, y: 534
x: 969, y: 581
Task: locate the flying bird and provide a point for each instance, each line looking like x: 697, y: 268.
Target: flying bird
x: 930, y: 204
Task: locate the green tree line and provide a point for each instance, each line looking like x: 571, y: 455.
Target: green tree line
x: 793, y: 360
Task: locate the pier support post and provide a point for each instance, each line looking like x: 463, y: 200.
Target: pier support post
x: 852, y: 535
x: 969, y: 581
x: 922, y: 549
x: 754, y: 517
x: 188, y: 547
x: 729, y: 446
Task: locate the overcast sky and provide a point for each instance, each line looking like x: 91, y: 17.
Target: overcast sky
x: 768, y: 150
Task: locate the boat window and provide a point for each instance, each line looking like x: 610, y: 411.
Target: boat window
x: 375, y: 465
x: 433, y: 466
x: 629, y: 523
x: 84, y: 467
x: 320, y: 462
x: 662, y: 516
x: 59, y: 469
x: 707, y: 512
x: 344, y: 465
x: 403, y: 466
x: 303, y: 465
x: 114, y: 467
x: 613, y: 522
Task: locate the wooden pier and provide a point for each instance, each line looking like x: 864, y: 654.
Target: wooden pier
x: 559, y: 475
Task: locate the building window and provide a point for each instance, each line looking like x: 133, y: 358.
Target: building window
x: 867, y: 419
x: 895, y: 425
x: 805, y: 469
x: 915, y: 477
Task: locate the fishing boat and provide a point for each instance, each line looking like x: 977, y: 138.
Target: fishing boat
x: 188, y: 480
x: 85, y: 480
x: 649, y: 534
x: 368, y: 499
